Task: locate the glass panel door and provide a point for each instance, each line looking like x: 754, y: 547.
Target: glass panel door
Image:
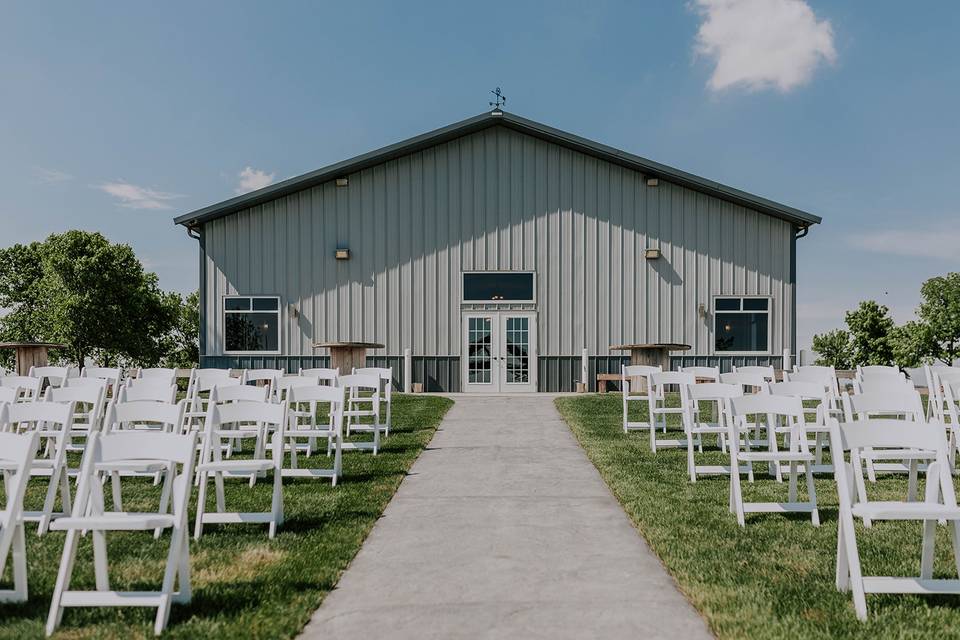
x: 499, y: 351
x: 481, y: 352
x: 519, y: 347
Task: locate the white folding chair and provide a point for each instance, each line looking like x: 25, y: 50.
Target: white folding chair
x: 113, y: 376
x: 942, y: 377
x: 818, y: 416
x: 660, y: 409
x: 703, y: 374
x: 52, y: 422
x: 17, y: 452
x: 241, y: 393
x: 145, y: 415
x: 326, y: 376
x: 824, y: 376
x: 878, y: 370
x: 774, y: 409
x: 89, y: 514
x: 9, y: 395
x: 939, y: 504
x: 268, y: 416
x: 748, y: 382
x: 366, y: 386
x: 263, y: 377
x: 313, y: 398
x: 202, y: 381
x: 54, y: 376
x: 386, y: 393
x: 154, y: 390
x: 636, y: 386
x: 283, y: 385
x: 28, y: 386
x: 768, y: 373
x: 158, y: 374
x: 718, y: 395
x: 88, y: 403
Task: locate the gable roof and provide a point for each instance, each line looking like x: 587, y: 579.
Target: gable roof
x: 650, y: 168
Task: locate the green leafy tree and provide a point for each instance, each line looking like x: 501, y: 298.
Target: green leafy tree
x: 834, y: 348
x: 940, y: 312
x: 870, y: 325
x: 912, y: 344
x: 78, y: 289
x: 181, y: 345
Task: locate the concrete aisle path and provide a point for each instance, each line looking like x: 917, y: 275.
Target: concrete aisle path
x: 504, y: 529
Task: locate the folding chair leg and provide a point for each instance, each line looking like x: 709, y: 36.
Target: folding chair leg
x: 691, y: 465
x: 792, y: 490
x: 165, y: 493
x: 926, y: 555
x: 67, y: 560
x: 912, y: 481
x: 218, y: 490
x: 201, y: 507
x: 276, y: 503
x: 100, y: 561
x: 843, y: 565
x: 115, y: 491
x: 18, y: 552
x: 169, y: 577
x: 185, y: 592
x: 812, y: 496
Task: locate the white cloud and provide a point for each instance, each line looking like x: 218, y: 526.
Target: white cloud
x: 134, y: 197
x: 252, y: 179
x: 51, y: 176
x: 762, y: 44
x: 936, y: 243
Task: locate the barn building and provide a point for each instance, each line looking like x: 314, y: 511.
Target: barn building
x: 496, y: 249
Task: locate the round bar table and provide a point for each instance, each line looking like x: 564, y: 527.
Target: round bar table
x: 347, y: 356
x: 651, y: 354
x: 31, y: 354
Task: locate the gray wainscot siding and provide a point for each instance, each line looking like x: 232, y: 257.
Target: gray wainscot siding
x: 496, y: 199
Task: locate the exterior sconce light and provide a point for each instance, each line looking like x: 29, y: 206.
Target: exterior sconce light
x: 651, y: 254
x: 702, y: 310
x: 342, y: 182
x: 342, y: 253
x: 652, y: 182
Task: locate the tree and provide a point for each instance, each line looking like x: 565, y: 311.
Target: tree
x: 912, y: 344
x: 79, y: 289
x: 870, y: 325
x: 181, y: 346
x: 940, y: 312
x: 834, y: 348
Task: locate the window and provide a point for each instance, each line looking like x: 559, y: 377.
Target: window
x: 742, y: 325
x: 251, y: 324
x: 497, y: 286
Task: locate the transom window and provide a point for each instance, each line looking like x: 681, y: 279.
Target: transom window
x: 498, y: 286
x: 251, y: 324
x: 741, y: 325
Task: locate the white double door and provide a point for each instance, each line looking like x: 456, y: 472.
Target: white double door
x: 499, y: 351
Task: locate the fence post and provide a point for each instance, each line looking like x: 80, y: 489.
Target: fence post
x: 407, y: 371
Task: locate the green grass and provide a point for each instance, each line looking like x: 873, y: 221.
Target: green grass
x: 774, y: 578
x: 245, y: 585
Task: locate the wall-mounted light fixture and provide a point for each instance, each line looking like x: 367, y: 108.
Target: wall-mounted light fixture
x: 702, y: 310
x: 342, y: 253
x: 651, y: 254
x: 342, y: 182
x: 294, y: 312
x: 652, y: 182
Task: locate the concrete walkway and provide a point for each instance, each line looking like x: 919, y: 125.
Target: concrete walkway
x: 504, y: 529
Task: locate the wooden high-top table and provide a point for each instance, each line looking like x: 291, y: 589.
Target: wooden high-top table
x: 651, y: 354
x: 346, y: 356
x: 31, y: 354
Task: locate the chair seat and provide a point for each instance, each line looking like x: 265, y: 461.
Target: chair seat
x: 143, y: 466
x: 236, y: 465
x: 115, y: 521
x: 905, y: 511
x: 774, y: 456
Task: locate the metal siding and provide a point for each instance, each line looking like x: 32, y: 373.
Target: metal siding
x: 498, y: 199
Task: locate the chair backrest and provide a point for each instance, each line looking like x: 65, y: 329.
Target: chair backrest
x: 113, y: 374
x: 361, y: 381
x: 121, y: 415
x: 768, y: 373
x: 710, y: 373
x: 54, y: 375
x: 29, y: 386
x: 806, y: 391
x: 267, y: 376
x: 91, y: 395
x: 785, y: 410
x: 9, y: 394
x: 152, y: 389
x: 207, y: 383
x: 818, y: 368
x: 753, y: 382
x: 905, y: 402
x: 284, y: 384
x: 324, y: 374
x: 264, y: 414
x: 877, y: 369
x: 17, y: 452
x: 884, y: 383
x: 158, y: 373
x: 239, y: 393
x: 49, y: 416
x: 717, y: 392
x: 384, y: 373
x: 96, y: 383
x: 637, y: 372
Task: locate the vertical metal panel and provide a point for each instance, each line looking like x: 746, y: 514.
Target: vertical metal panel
x: 498, y: 199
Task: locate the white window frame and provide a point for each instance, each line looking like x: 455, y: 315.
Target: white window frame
x: 713, y: 328
x: 532, y: 274
x: 279, y: 312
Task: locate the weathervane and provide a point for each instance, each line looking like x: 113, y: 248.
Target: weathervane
x: 499, y: 100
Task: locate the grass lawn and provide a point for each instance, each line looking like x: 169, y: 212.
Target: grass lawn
x: 244, y: 584
x: 774, y: 578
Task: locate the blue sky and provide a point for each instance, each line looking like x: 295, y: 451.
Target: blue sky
x: 117, y: 116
